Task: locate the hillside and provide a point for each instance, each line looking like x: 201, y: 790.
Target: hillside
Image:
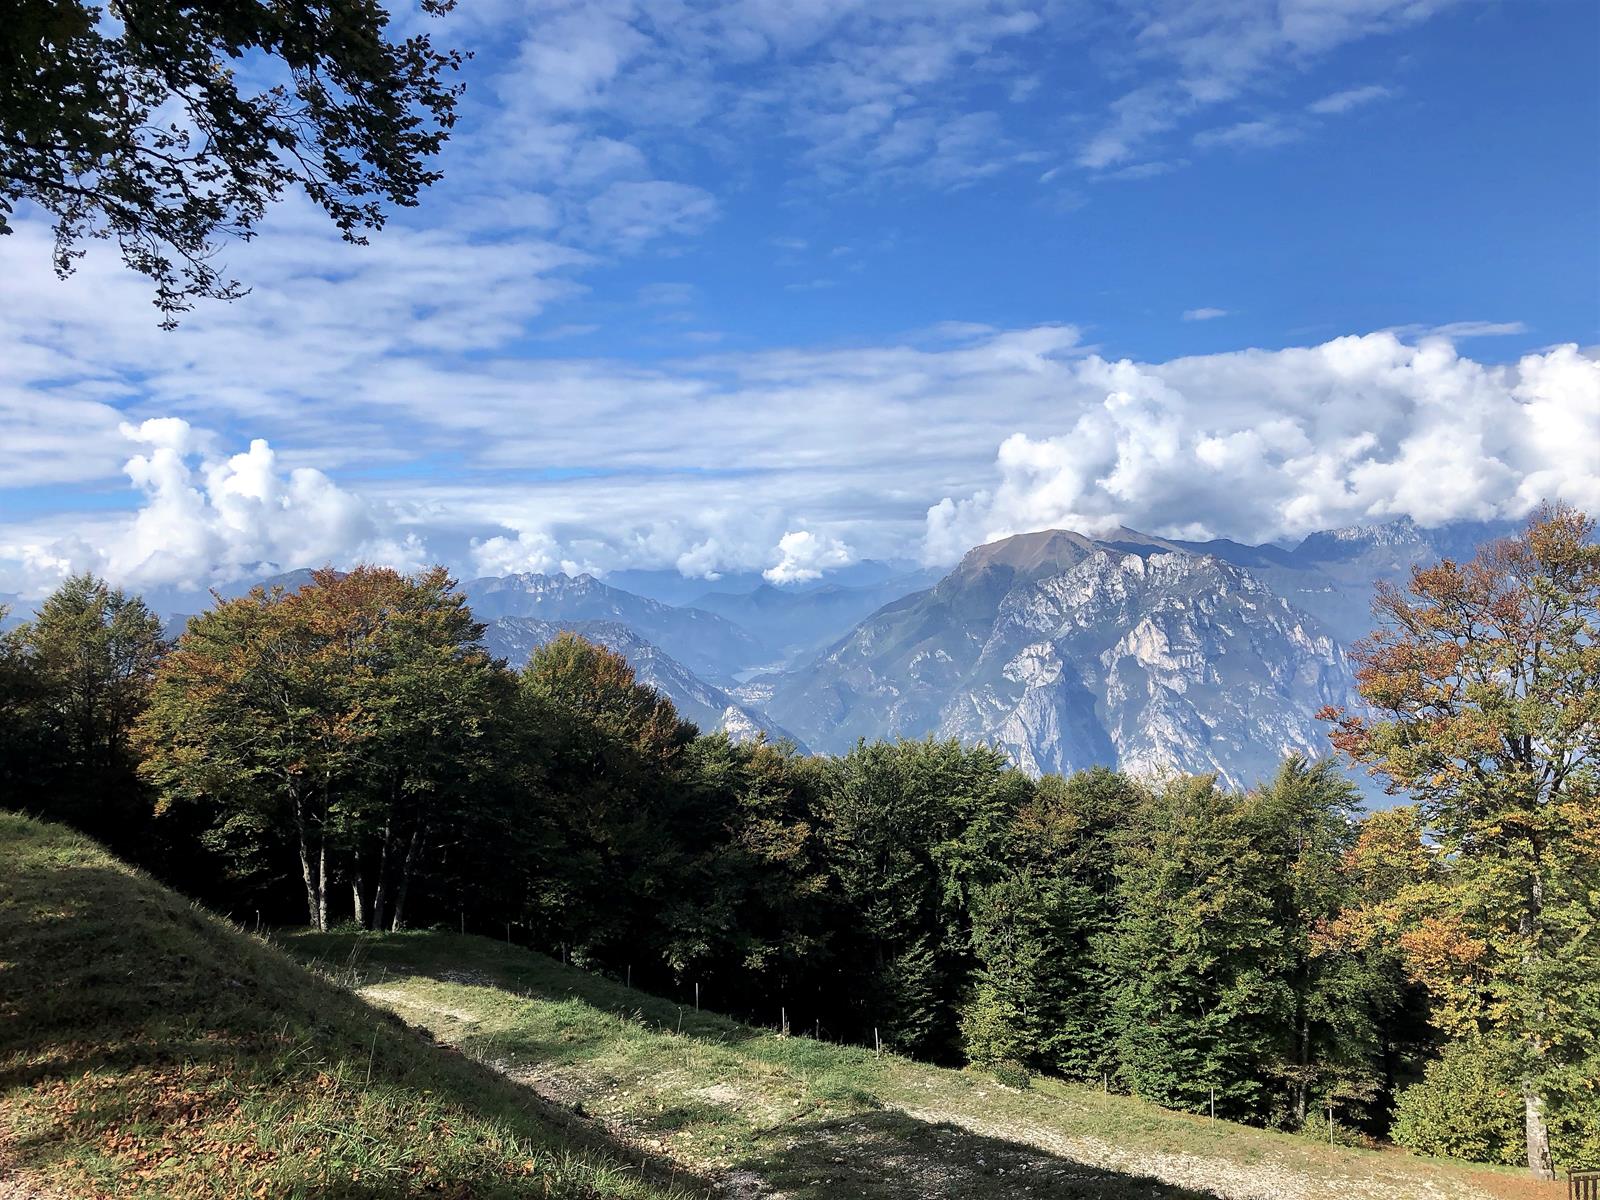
x: 800, y: 1119
x: 150, y: 1049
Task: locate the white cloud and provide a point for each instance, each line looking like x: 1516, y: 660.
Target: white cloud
x: 1343, y: 102
x: 638, y: 211
x: 205, y: 519
x: 804, y: 556
x: 704, y: 464
x: 1261, y: 445
x: 1204, y: 314
x: 1461, y: 330
x: 1249, y: 135
x: 532, y: 551
x: 1197, y: 56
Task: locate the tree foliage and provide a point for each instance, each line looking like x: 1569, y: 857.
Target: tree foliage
x: 77, y: 679
x: 170, y: 126
x: 1482, y: 686
x: 346, y: 712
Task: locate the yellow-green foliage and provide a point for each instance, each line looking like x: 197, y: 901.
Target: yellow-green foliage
x: 1466, y: 1106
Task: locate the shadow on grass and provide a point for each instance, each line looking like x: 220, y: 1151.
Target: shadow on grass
x: 148, y: 1048
x: 890, y: 1155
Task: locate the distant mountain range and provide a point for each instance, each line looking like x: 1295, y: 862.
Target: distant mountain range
x: 516, y: 638
x: 1063, y: 650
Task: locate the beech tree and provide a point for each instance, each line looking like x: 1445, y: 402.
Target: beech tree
x: 144, y: 121
x: 83, y: 669
x: 239, y: 719
x: 346, y: 711
x: 1483, y: 680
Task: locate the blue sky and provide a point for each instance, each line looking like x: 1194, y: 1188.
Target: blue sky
x: 760, y: 285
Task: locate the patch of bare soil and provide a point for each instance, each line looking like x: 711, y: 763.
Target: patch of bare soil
x: 1510, y: 1187
x: 396, y: 997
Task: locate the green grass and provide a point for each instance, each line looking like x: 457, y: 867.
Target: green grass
x: 150, y: 1049
x: 812, y: 1120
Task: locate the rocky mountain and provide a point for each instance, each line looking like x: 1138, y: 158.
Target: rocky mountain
x: 706, y: 643
x: 516, y: 638
x: 1067, y: 651
x: 1331, y: 574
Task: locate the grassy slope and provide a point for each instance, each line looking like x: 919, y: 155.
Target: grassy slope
x: 793, y: 1117
x: 148, y: 1049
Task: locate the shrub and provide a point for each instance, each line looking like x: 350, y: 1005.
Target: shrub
x: 1011, y: 1074
x: 1467, y: 1105
x: 988, y: 1030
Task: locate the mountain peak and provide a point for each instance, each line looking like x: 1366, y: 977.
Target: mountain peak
x: 1026, y: 553
x: 1033, y: 554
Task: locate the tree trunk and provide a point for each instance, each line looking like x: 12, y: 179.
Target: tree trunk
x: 358, y: 901
x: 310, y: 869
x: 380, y: 901
x: 322, y: 886
x: 405, y: 876
x: 1539, y: 1160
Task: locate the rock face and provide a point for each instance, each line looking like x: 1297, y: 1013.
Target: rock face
x: 1066, y: 652
x: 704, y: 642
x: 708, y: 706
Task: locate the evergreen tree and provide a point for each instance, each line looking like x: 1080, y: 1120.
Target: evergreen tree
x: 1199, y: 997
x: 1042, y: 935
x: 1303, y: 824
x: 913, y: 831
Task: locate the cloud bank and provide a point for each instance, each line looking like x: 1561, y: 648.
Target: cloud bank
x: 205, y: 519
x: 878, y: 451
x: 1261, y: 446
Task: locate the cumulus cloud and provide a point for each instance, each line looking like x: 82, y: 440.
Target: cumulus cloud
x: 205, y: 519
x: 1204, y: 314
x: 532, y: 551
x: 803, y: 556
x: 1263, y: 445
